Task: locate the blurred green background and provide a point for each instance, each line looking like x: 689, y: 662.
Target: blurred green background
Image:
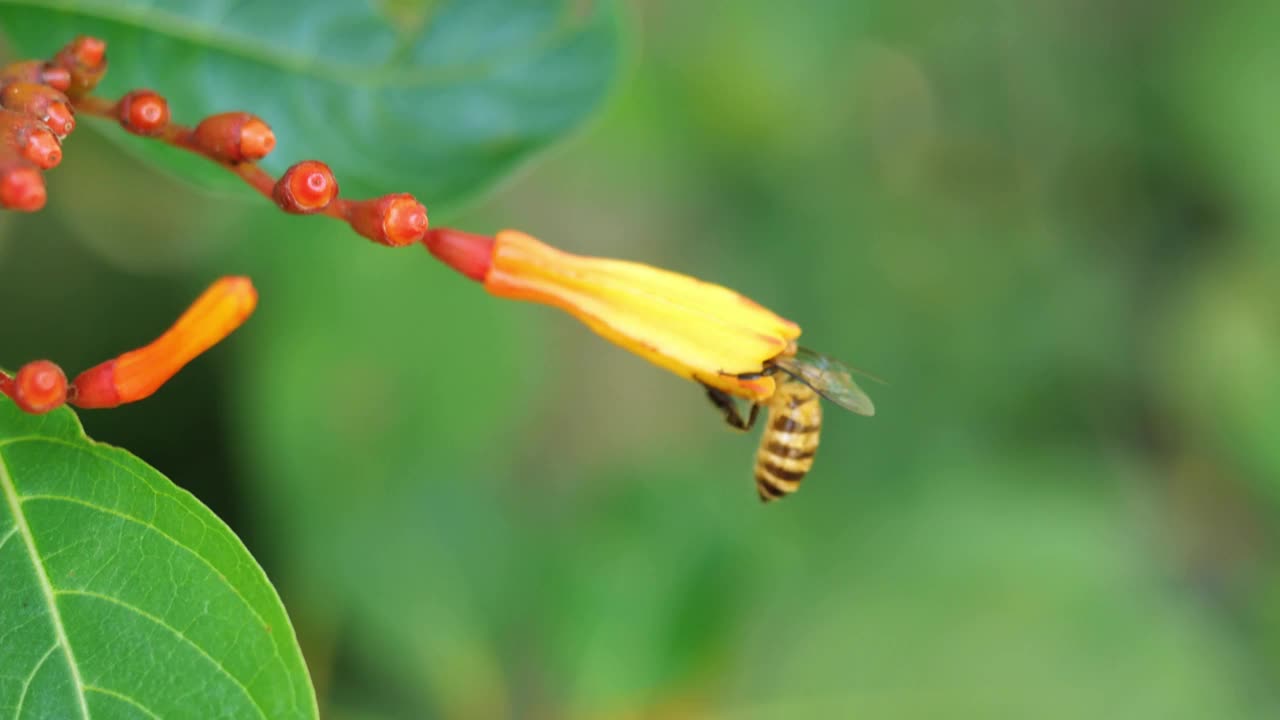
x: 1050, y: 225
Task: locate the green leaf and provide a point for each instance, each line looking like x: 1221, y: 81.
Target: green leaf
x: 123, y: 596
x: 439, y: 99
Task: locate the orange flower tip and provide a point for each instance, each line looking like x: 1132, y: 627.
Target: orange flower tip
x: 238, y: 290
x: 143, y: 112
x: 22, y: 187
x: 256, y: 139
x: 58, y: 78
x: 307, y: 187
x: 42, y: 148
x: 96, y: 387
x: 6, y: 384
x: 468, y: 253
x: 40, y: 386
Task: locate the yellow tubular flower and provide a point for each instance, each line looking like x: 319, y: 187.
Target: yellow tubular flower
x: 696, y: 329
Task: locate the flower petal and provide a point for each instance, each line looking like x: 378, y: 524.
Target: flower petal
x: 696, y: 329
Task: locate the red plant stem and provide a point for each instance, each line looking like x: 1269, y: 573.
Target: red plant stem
x: 179, y: 136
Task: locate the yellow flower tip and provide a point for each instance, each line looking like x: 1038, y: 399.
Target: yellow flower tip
x: 698, y: 330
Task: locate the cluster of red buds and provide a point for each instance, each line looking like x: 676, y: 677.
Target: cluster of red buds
x: 41, y: 99
x: 36, y: 113
x: 39, y: 102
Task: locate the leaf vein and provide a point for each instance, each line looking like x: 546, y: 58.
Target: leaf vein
x: 42, y: 576
x: 18, y: 628
x: 21, y: 439
x: 139, y: 521
x: 178, y: 501
x: 31, y: 676
x: 12, y: 531
x: 176, y: 633
x: 94, y: 451
x: 122, y: 697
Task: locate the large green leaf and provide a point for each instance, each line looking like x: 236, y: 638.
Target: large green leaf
x: 122, y: 596
x: 436, y: 98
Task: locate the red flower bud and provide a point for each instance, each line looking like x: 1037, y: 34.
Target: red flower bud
x: 40, y: 101
x: 40, y: 386
x: 21, y: 186
x: 85, y: 58
x: 58, y: 78
x: 234, y: 137
x: 42, y: 148
x: 305, y: 188
x: 60, y: 118
x: 88, y: 51
x: 256, y: 139
x: 36, y: 71
x: 465, y: 252
x: 31, y: 138
x: 143, y: 112
x: 394, y: 220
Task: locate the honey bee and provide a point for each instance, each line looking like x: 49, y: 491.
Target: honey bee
x: 790, y: 438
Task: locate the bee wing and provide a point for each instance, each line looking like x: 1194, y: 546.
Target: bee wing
x: 831, y: 378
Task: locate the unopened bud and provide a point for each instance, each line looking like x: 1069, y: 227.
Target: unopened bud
x: 234, y: 137
x: 305, y: 188
x: 60, y: 118
x: 40, y: 101
x: 30, y: 138
x: 33, y: 71
x: 143, y: 112
x: 21, y: 186
x: 42, y: 148
x: 39, y: 386
x: 394, y: 220
x: 58, y: 78
x: 85, y: 58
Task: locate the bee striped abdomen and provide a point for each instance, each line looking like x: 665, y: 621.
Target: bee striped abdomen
x: 790, y: 440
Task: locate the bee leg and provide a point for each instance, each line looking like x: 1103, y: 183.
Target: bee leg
x: 768, y: 371
x: 726, y: 404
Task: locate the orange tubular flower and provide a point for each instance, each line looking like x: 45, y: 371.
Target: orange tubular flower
x: 698, y: 330
x: 137, y: 374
